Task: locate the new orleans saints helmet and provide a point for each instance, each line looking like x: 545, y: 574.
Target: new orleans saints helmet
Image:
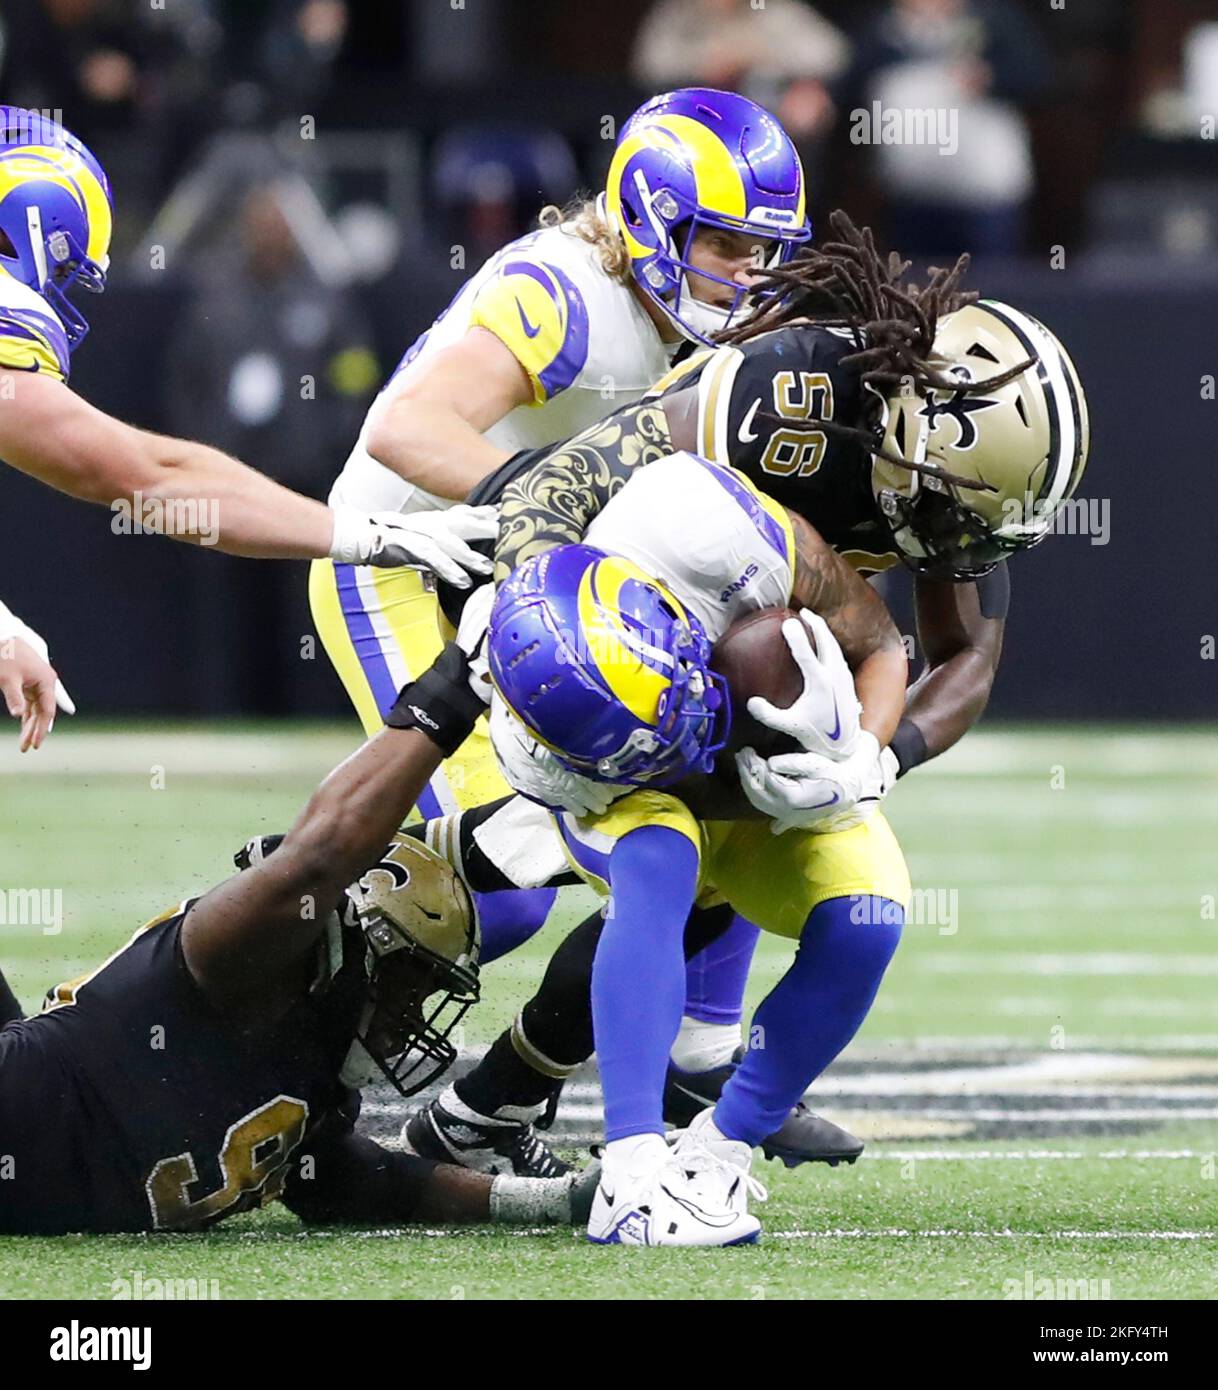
x: 992, y: 461
x: 421, y: 932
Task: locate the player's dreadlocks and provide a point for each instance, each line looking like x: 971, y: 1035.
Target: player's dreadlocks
x: 847, y: 284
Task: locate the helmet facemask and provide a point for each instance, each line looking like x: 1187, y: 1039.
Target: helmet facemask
x: 55, y: 213
x: 698, y: 159
x: 666, y: 276
x: 973, y: 466
x: 418, y: 989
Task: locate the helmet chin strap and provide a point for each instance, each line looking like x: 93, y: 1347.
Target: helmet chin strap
x: 33, y: 220
x: 700, y: 317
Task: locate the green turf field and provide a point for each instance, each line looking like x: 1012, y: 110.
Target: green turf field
x: 1038, y: 1082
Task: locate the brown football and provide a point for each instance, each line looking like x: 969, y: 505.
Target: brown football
x: 753, y: 658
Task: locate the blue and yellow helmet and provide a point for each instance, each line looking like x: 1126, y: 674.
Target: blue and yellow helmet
x: 701, y: 158
x: 607, y: 668
x: 56, y: 213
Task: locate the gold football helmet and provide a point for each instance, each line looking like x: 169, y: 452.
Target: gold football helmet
x: 988, y: 462
x: 421, y: 932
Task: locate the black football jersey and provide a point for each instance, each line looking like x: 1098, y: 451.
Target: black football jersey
x: 132, y: 1104
x: 754, y: 404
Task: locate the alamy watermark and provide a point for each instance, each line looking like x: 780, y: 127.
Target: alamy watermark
x: 1077, y: 516
x: 928, y: 907
x: 138, y: 515
x: 32, y: 907
x: 877, y: 124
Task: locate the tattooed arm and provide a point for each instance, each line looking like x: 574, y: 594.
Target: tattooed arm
x: 555, y: 501
x: 859, y: 619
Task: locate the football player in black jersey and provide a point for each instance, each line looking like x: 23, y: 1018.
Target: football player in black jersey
x: 212, y: 1063
x: 908, y: 424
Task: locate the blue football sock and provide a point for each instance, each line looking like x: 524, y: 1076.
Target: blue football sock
x: 811, y: 1013
x: 509, y: 918
x: 715, y: 977
x: 638, y: 975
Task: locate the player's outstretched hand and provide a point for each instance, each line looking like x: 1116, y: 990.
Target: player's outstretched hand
x: 437, y: 541
x: 825, y: 717
x: 810, y: 791
x: 531, y: 769
x: 32, y: 690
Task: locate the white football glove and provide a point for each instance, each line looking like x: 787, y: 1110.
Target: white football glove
x: 825, y: 717
x: 533, y: 770
x: 876, y: 786
x: 809, y: 791
x: 424, y: 540
x: 471, y: 638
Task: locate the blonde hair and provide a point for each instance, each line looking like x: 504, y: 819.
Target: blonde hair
x: 581, y: 218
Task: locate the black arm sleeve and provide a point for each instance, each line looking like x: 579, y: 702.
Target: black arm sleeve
x: 344, y: 1177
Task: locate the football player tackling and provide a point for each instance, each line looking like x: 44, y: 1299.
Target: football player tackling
x: 704, y: 191
x: 211, y: 1064
x: 935, y: 432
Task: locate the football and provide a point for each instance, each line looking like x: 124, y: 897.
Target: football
x: 753, y: 658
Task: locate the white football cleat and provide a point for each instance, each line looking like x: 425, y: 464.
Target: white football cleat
x: 733, y: 1157
x: 694, y: 1198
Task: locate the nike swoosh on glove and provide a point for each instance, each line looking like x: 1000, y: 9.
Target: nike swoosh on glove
x: 825, y: 717
x: 436, y: 541
x: 532, y: 769
x: 804, y: 790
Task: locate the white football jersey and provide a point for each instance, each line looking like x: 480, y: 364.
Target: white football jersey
x: 582, y: 337
x: 721, y: 546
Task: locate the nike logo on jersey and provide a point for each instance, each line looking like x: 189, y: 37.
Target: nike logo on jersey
x: 531, y: 330
x: 747, y: 433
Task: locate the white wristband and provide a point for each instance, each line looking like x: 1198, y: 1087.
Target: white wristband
x: 354, y: 537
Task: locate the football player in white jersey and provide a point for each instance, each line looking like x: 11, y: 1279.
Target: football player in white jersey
x: 55, y: 225
x: 631, y: 616
x: 560, y: 327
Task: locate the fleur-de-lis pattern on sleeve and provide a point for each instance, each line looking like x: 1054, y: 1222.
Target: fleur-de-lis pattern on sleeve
x: 555, y: 501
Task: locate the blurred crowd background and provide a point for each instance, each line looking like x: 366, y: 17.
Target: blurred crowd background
x: 301, y: 185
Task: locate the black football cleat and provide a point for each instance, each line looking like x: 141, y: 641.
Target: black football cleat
x: 803, y: 1137
x: 448, y: 1131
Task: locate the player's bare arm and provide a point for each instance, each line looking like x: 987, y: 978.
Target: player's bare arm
x: 859, y: 619
x: 960, y: 629
x: 555, y: 501
x: 248, y: 936
x: 206, y: 497
x: 245, y: 938
x: 51, y: 433
x: 431, y: 433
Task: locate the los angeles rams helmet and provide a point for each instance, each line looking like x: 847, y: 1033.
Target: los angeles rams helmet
x: 607, y: 668
x: 701, y: 158
x: 56, y: 213
x: 421, y: 932
x: 1015, y: 452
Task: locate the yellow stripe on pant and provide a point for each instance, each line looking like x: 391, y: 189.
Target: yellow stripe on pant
x: 380, y: 629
